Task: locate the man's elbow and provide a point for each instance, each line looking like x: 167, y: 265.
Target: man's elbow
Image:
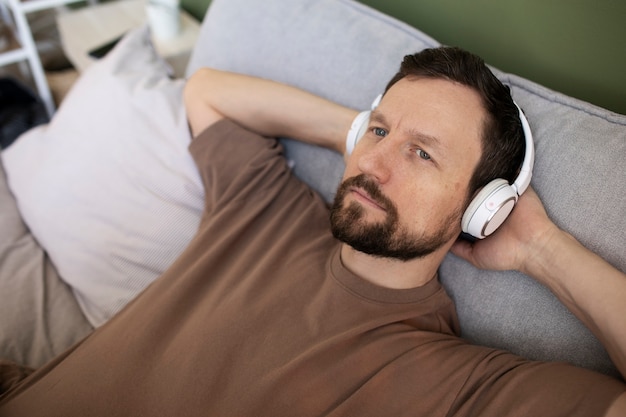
x: 198, y: 106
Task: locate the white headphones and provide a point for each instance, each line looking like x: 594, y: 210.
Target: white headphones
x: 495, y: 201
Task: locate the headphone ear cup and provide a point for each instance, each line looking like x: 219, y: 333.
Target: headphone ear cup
x: 357, y: 130
x: 359, y: 126
x: 489, y: 209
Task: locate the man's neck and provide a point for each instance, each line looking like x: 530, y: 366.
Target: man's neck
x: 393, y: 273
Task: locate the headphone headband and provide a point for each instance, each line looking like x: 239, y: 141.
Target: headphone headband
x: 522, y: 181
x: 495, y: 201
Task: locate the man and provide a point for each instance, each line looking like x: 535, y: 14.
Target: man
x: 267, y: 313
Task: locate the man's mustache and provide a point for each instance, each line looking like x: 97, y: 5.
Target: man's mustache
x: 371, y: 188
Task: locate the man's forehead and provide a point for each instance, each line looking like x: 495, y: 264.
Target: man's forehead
x: 445, y: 115
x: 439, y: 99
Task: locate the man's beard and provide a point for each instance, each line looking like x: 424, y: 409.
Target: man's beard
x: 386, y: 239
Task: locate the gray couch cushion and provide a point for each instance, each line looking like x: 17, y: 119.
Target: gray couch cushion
x: 345, y: 51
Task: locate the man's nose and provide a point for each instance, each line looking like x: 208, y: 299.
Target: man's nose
x: 377, y: 160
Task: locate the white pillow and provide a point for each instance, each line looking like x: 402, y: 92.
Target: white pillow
x: 108, y: 187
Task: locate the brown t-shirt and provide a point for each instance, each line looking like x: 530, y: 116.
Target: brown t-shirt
x: 259, y: 317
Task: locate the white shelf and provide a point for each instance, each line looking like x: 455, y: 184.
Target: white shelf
x: 36, y: 5
x: 14, y: 15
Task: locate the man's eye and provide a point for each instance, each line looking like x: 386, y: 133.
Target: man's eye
x: 424, y: 155
x: 380, y: 132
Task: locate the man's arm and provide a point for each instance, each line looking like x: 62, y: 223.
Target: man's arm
x: 589, y: 286
x: 266, y: 107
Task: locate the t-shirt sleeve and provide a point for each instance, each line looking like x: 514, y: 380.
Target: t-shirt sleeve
x: 233, y: 161
x: 503, y: 384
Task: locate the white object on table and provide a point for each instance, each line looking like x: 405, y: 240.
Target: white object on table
x: 85, y: 29
x: 164, y: 18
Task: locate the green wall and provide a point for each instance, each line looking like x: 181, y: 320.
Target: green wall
x: 577, y: 47
x: 197, y: 8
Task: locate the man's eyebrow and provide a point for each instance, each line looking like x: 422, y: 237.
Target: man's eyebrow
x: 377, y: 116
x: 426, y: 139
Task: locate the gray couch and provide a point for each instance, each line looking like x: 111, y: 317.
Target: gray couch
x: 345, y: 51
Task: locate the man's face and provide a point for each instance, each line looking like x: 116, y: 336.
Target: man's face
x: 405, y: 185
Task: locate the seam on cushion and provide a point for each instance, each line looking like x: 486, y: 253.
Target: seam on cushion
x: 560, y: 98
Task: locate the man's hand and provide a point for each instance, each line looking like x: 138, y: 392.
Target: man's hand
x: 525, y: 233
x: 590, y: 287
